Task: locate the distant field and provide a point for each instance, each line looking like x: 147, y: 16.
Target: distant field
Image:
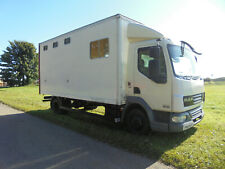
x: 203, y: 146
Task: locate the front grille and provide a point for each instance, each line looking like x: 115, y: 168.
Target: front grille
x: 197, y: 98
x: 196, y: 114
x: 193, y: 99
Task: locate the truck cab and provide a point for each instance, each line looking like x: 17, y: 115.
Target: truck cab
x: 163, y: 78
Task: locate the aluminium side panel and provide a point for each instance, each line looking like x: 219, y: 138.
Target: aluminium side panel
x: 68, y: 71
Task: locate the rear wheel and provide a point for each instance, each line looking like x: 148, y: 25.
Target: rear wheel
x: 55, y: 105
x: 137, y: 122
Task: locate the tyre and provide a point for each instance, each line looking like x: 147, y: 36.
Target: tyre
x: 55, y: 105
x: 137, y: 122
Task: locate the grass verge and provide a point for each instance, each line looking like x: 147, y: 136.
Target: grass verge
x: 203, y: 146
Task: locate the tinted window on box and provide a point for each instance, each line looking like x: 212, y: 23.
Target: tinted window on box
x: 66, y: 41
x: 55, y: 44
x: 45, y: 47
x: 99, y: 48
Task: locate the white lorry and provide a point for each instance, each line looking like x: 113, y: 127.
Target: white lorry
x: 141, y: 77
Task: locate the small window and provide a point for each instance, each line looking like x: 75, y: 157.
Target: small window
x: 55, y: 44
x: 99, y: 48
x: 66, y: 41
x: 45, y: 47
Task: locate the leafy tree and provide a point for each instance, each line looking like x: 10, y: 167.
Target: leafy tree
x: 19, y: 63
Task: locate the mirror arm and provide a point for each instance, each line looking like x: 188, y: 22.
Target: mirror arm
x: 183, y: 43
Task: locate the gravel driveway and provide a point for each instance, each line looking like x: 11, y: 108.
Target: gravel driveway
x: 31, y: 143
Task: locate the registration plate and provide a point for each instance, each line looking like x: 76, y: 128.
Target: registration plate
x: 187, y: 126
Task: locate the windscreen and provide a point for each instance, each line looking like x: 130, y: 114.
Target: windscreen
x: 184, y: 63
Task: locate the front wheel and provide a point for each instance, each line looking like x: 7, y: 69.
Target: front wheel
x: 137, y: 122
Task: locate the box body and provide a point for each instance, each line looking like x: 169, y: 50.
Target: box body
x: 68, y: 70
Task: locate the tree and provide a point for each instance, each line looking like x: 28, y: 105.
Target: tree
x: 19, y: 63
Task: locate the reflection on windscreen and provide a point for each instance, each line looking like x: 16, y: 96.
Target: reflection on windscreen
x: 184, y: 65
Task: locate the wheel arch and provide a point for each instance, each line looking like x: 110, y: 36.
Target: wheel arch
x: 137, y: 102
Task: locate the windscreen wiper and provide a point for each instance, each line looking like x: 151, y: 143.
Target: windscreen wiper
x: 183, y: 43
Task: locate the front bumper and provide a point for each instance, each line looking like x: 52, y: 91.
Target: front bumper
x: 196, y: 115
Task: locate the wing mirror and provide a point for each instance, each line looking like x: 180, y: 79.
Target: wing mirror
x: 154, y: 66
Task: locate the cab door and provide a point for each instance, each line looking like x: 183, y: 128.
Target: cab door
x: 151, y: 82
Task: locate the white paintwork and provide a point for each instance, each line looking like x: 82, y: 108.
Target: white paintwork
x: 166, y: 97
x: 158, y: 96
x: 137, y: 32
x: 68, y: 71
x: 185, y: 88
x: 180, y: 87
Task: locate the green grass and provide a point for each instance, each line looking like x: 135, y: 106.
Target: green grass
x: 202, y: 146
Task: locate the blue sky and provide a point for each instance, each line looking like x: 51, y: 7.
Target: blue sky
x: 200, y: 22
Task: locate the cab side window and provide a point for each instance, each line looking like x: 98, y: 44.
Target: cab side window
x: 151, y: 63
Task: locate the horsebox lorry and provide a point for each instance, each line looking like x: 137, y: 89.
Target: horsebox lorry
x: 143, y: 79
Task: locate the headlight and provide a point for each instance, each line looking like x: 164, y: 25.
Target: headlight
x: 179, y: 119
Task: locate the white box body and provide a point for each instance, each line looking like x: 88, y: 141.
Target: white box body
x: 68, y: 71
